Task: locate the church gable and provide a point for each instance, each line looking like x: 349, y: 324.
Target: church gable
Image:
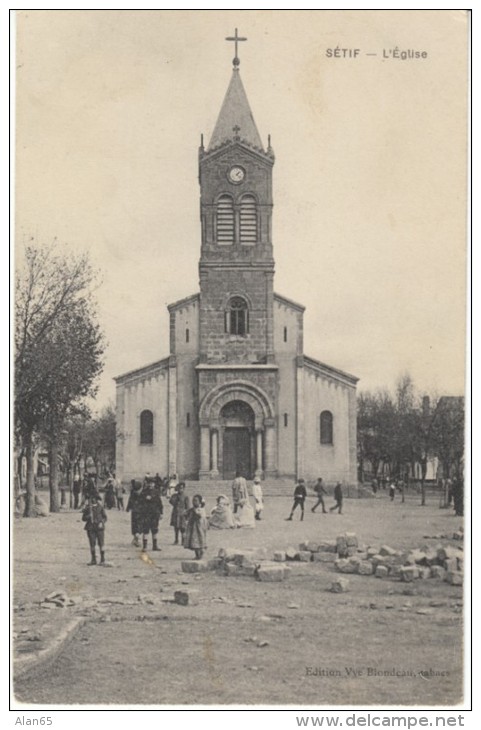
x: 184, y: 326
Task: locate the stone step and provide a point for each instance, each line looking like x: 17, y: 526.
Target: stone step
x: 213, y: 487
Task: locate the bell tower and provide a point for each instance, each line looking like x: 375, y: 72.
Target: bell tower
x: 236, y: 266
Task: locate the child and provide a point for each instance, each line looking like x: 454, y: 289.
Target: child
x: 300, y: 494
x: 258, y: 496
x: 95, y: 518
x: 180, y: 505
x: 195, y: 537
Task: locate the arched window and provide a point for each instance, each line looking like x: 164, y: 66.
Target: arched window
x: 146, y: 427
x: 326, y: 427
x: 225, y: 220
x: 248, y: 219
x: 237, y: 317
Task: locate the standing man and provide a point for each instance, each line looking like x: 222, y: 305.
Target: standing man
x: 95, y: 518
x: 338, y: 498
x: 300, y: 494
x: 239, y: 491
x: 150, y: 513
x: 321, y: 492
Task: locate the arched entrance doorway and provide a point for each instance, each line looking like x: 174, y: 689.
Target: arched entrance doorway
x: 237, y: 418
x: 237, y: 426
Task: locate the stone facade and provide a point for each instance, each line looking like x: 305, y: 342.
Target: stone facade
x: 236, y: 392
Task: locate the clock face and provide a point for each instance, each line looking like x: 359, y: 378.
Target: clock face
x: 236, y: 174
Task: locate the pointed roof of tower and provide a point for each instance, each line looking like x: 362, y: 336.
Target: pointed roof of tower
x: 235, y: 120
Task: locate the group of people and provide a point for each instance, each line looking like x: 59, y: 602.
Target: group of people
x: 300, y: 496
x: 189, y: 521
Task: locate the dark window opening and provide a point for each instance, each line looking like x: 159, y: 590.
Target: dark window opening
x: 326, y: 427
x: 187, y: 334
x: 286, y: 419
x: 146, y: 427
x: 237, y: 317
x: 285, y: 334
x: 188, y: 420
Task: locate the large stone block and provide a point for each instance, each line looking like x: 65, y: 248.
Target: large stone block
x: 341, y: 546
x: 387, y: 550
x: 454, y: 577
x: 280, y: 556
x: 395, y: 570
x: 304, y: 556
x: 291, y: 553
x: 347, y: 565
x: 215, y: 563
x: 232, y: 569
x: 323, y: 557
x: 186, y: 598
x: 447, y: 551
x: 195, y: 566
x: 327, y: 546
x: 451, y: 564
x: 340, y: 585
x: 382, y: 571
x: 415, y: 556
x: 378, y: 560
x: 409, y: 573
x: 437, y: 571
x: 351, y: 539
x: 365, y: 567
x: 271, y: 573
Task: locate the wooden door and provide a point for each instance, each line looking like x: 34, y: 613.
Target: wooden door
x: 237, y: 453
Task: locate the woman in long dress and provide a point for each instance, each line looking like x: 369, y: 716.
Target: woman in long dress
x: 195, y: 537
x: 245, y: 516
x: 221, y: 517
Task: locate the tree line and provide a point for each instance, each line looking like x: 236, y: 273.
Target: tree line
x: 397, y: 431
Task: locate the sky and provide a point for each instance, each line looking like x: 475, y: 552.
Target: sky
x: 369, y: 225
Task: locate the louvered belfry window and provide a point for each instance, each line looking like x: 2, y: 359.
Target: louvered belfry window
x: 248, y: 219
x: 225, y: 220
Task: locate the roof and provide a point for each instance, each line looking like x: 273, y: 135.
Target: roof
x: 235, y: 112
x: 145, y: 370
x: 328, y: 370
x: 289, y: 302
x: 183, y: 302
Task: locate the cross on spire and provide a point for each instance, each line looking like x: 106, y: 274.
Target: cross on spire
x: 236, y: 38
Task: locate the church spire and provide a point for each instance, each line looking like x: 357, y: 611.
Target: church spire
x: 235, y: 121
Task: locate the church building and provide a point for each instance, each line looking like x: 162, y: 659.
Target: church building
x: 236, y: 391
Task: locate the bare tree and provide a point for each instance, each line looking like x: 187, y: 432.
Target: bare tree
x: 58, y: 351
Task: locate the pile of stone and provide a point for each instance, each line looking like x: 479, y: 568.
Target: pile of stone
x: 249, y: 562
x: 441, y: 562
x: 458, y: 535
x: 59, y: 599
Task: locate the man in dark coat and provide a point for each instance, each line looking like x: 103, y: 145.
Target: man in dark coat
x: 95, y: 518
x: 320, y: 491
x: 338, y: 498
x: 300, y: 494
x: 151, y: 510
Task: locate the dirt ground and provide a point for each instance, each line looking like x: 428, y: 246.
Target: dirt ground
x: 244, y: 642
